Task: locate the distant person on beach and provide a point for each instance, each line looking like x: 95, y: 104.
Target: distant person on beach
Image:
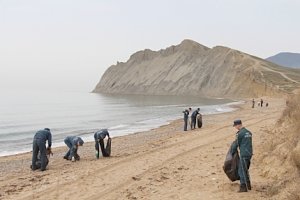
x: 39, y: 148
x: 73, y: 142
x: 190, y: 118
x: 253, y: 103
x: 267, y: 104
x: 199, y: 120
x: 99, y: 140
x: 186, y: 113
x: 261, y: 103
x: 244, y: 143
x: 194, y: 117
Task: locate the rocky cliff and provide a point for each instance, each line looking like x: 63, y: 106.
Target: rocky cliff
x: 193, y: 69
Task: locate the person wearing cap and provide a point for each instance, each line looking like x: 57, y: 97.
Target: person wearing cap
x: 39, y: 148
x: 73, y: 142
x: 244, y: 143
x: 194, y: 117
x: 99, y: 140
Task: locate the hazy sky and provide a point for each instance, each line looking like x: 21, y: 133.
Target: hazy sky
x: 68, y: 44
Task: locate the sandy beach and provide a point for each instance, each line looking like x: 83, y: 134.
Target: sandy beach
x: 164, y: 163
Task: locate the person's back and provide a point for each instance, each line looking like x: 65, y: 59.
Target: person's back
x: 101, y: 134
x: 244, y: 140
x: 195, y: 113
x: 44, y: 135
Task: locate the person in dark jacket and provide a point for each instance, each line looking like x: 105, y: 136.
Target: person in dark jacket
x: 194, y: 117
x: 73, y: 142
x: 99, y: 140
x: 186, y: 118
x: 244, y: 143
x: 39, y: 147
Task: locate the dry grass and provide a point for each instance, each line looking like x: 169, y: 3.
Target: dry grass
x: 284, y: 152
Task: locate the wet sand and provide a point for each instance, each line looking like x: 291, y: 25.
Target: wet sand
x: 164, y: 163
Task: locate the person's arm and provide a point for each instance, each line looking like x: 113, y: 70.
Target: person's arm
x: 234, y: 147
x: 49, y: 140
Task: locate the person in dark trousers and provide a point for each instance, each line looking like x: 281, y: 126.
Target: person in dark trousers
x: 261, y: 103
x: 99, y: 140
x: 73, y: 142
x: 39, y: 147
x: 253, y: 103
x: 186, y: 118
x: 194, y: 117
x: 244, y: 143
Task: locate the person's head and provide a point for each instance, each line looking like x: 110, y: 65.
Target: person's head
x: 190, y: 109
x: 237, y: 124
x: 80, y: 143
x: 47, y: 129
x: 198, y: 109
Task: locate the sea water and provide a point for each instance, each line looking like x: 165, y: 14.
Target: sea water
x: 23, y: 113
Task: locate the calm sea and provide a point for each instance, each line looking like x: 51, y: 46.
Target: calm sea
x: 74, y: 113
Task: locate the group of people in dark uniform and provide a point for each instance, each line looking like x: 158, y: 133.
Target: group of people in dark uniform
x: 243, y: 142
x: 260, y: 103
x: 40, y: 153
x: 196, y: 117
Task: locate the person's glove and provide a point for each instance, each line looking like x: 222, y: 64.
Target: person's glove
x: 49, y: 151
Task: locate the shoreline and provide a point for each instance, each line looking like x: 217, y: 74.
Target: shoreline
x: 157, y: 164
x: 232, y: 108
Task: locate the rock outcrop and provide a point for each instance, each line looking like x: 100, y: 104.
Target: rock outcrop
x: 193, y: 69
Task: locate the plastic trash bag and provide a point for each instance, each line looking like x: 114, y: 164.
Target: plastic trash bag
x: 231, y: 165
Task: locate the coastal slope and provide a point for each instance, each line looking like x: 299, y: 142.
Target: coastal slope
x: 193, y: 69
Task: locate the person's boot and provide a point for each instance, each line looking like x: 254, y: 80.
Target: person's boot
x: 248, y: 185
x: 243, y: 188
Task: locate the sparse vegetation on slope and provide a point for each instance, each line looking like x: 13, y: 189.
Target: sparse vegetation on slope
x: 281, y: 160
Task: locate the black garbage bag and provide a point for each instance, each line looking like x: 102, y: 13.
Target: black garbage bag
x: 106, y: 150
x: 199, y: 120
x: 231, y: 165
x: 38, y: 163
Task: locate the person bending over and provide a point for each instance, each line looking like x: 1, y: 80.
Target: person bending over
x: 73, y: 142
x: 99, y: 140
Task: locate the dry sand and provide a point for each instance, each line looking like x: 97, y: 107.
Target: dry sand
x: 164, y: 163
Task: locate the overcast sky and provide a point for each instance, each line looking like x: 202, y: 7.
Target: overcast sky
x: 68, y: 44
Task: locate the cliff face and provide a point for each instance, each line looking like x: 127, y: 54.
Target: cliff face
x: 193, y: 69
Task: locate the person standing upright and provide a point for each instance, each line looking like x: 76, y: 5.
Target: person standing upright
x: 194, y: 117
x: 244, y: 143
x: 39, y: 145
x: 261, y: 103
x: 186, y: 113
x: 253, y: 103
x: 185, y: 119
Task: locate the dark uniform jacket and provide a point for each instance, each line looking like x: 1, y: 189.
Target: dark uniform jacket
x: 43, y: 136
x: 244, y: 142
x: 101, y: 134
